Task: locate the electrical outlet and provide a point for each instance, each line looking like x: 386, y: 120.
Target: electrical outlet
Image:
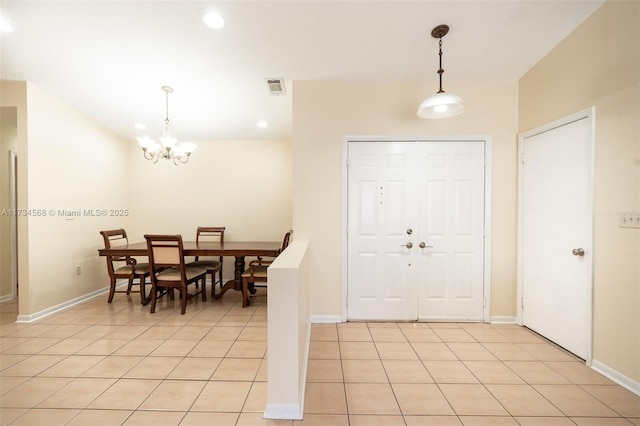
x: 630, y: 220
x: 78, y: 270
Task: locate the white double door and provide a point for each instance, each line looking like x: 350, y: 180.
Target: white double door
x: 416, y: 230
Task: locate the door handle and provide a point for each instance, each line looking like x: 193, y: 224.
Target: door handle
x: 423, y: 245
x: 408, y: 245
x: 578, y: 252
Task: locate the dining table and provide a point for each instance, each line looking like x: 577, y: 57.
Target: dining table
x: 238, y: 249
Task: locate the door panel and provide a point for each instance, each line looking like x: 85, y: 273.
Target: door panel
x: 381, y: 284
x: 437, y: 190
x: 451, y: 194
x: 556, y: 218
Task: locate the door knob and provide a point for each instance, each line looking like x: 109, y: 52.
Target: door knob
x: 408, y: 245
x: 423, y: 245
x: 578, y: 252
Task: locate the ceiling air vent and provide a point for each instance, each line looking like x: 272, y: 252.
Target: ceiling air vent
x: 276, y: 86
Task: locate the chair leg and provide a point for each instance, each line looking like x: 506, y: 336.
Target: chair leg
x: 204, y: 288
x: 143, y: 292
x: 130, y: 284
x: 154, y: 296
x: 183, y: 299
x: 245, y: 293
x: 112, y: 290
x: 213, y: 284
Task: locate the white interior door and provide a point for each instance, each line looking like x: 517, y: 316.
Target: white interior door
x: 402, y: 194
x: 381, y: 207
x: 556, y: 234
x: 451, y: 223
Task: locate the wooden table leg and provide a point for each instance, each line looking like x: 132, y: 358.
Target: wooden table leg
x: 236, y: 282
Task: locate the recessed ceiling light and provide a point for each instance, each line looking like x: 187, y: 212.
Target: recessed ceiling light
x: 213, y: 20
x: 262, y: 124
x: 140, y: 126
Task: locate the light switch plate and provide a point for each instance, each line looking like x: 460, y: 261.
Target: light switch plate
x: 630, y: 220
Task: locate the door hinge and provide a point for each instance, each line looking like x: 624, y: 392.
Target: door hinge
x: 347, y: 161
x: 346, y: 232
x: 522, y: 158
x: 522, y: 303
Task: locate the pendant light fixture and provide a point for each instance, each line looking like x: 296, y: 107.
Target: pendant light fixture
x: 168, y: 147
x: 441, y: 104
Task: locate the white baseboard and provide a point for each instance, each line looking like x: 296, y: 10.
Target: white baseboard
x: 7, y: 298
x: 52, y: 310
x: 325, y: 319
x: 503, y: 320
x: 283, y: 412
x: 619, y: 378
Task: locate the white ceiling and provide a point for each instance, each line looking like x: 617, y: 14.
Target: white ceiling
x: 110, y: 58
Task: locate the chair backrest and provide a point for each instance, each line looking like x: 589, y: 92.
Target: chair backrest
x: 285, y: 240
x: 115, y: 238
x: 165, y: 251
x: 210, y: 233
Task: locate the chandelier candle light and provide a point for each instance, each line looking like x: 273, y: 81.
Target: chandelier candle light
x: 441, y: 104
x: 167, y: 148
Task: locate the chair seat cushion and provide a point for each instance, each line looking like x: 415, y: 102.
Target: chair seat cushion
x: 173, y: 274
x: 258, y: 271
x: 141, y: 268
x: 207, y: 264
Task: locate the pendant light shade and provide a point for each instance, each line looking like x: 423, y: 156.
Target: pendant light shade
x: 440, y: 105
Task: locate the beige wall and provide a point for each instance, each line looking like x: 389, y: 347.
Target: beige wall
x: 325, y: 112
x: 71, y: 163
x: 242, y: 185
x: 599, y: 64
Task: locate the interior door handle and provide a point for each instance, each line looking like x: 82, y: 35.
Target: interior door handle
x: 423, y: 245
x: 408, y: 245
x: 578, y: 252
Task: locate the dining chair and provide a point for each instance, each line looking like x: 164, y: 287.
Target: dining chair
x: 124, y: 267
x: 215, y: 234
x: 257, y: 271
x: 168, y: 270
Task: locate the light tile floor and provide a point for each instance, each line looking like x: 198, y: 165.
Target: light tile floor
x: 117, y: 364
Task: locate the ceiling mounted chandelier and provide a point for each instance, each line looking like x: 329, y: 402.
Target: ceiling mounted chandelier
x: 168, y: 147
x: 441, y: 104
